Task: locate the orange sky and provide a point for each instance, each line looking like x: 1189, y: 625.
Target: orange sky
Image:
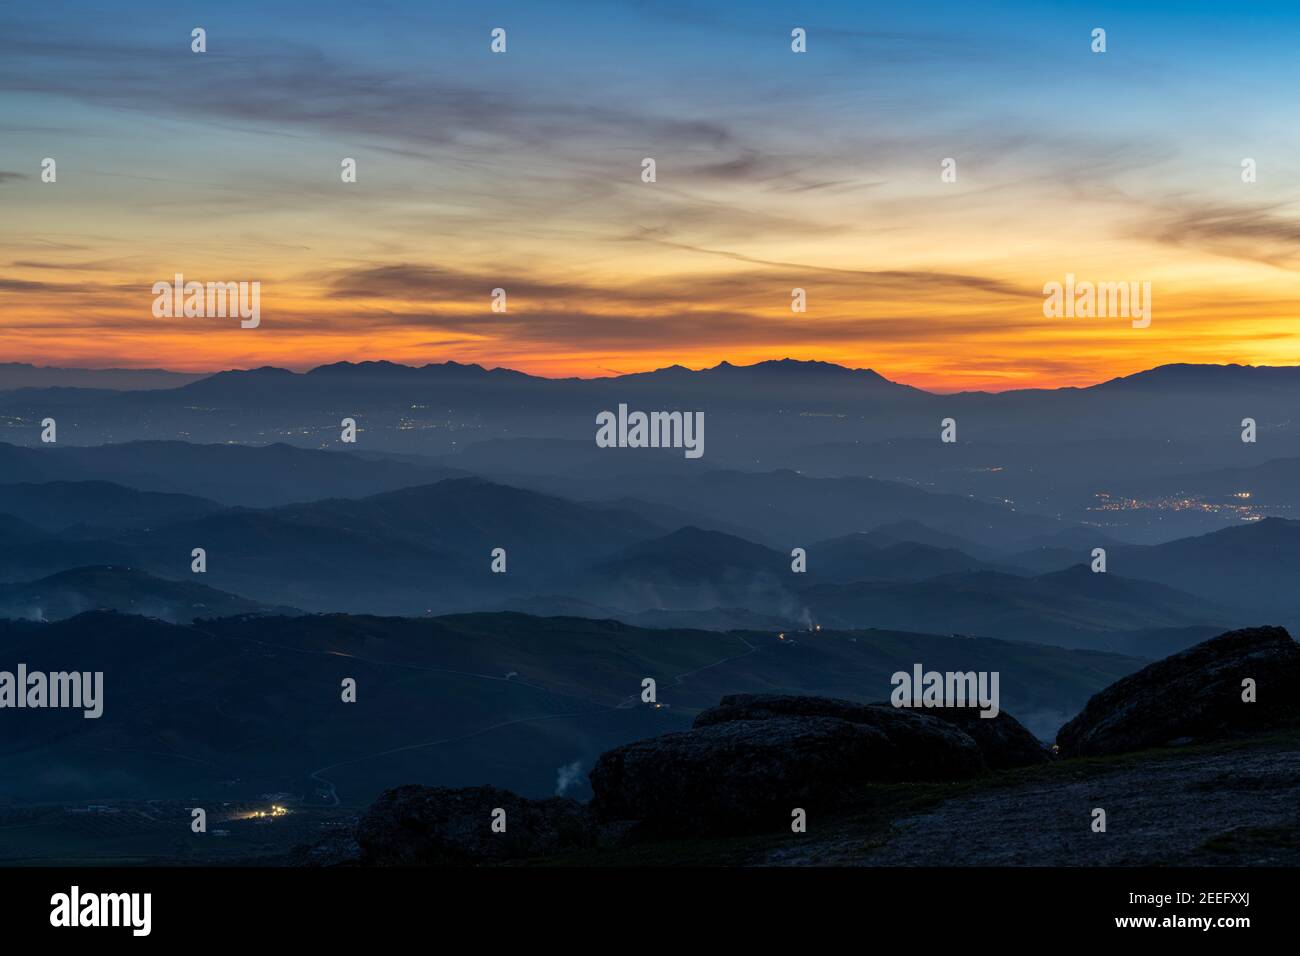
x: 922, y: 328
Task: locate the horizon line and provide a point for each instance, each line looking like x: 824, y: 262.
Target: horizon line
x: 724, y: 363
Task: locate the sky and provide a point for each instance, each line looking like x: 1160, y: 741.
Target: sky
x: 775, y: 170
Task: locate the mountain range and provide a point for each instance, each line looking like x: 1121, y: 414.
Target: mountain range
x: 500, y: 587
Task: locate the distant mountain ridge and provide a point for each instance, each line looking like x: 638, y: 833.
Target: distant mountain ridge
x: 262, y: 475
x: 22, y: 375
x: 124, y: 590
x: 1186, y: 375
x: 758, y: 415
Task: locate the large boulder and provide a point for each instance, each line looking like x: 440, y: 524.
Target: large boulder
x: 1194, y: 695
x: 442, y: 826
x: 1003, y: 741
x: 764, y: 706
x: 742, y: 774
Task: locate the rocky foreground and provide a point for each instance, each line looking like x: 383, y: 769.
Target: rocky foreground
x: 1235, y: 806
x: 1187, y: 766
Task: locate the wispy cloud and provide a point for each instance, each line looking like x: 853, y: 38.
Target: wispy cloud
x: 1265, y: 233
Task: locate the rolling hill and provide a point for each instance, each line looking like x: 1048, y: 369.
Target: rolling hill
x: 1074, y: 607
x: 125, y: 590
x: 263, y: 475
x: 232, y: 708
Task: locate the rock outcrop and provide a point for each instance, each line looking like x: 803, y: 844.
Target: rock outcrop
x: 443, y: 826
x: 1003, y: 741
x: 1193, y: 696
x: 753, y: 759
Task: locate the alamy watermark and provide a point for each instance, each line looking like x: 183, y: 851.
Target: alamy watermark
x: 76, y: 690
x: 213, y: 300
x: 651, y: 430
x: 1098, y: 300
x: 76, y: 909
x: 923, y: 688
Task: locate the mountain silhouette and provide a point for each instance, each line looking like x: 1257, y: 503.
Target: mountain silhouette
x: 126, y: 590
